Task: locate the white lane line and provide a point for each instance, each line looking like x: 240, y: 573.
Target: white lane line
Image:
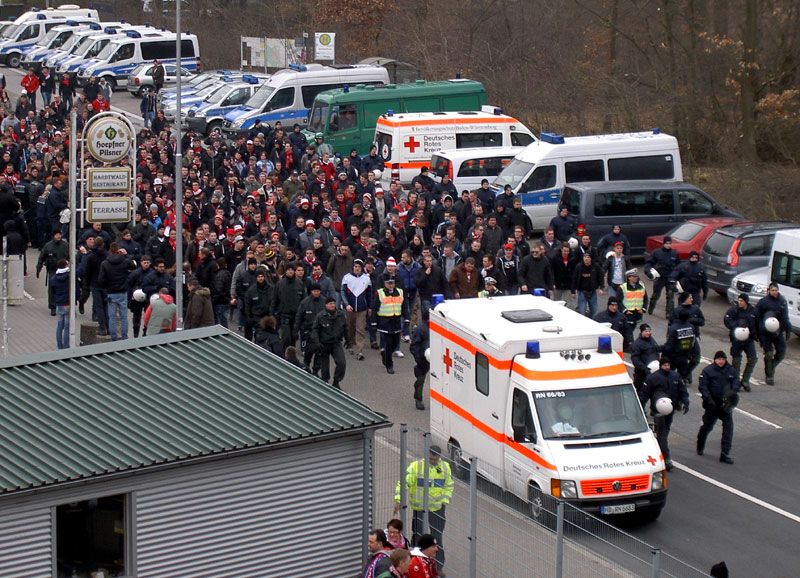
x: 753, y: 416
x: 29, y: 296
x: 738, y: 493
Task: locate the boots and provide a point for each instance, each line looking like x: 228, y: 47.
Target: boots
x: 748, y: 372
x: 736, y: 362
x: 769, y: 368
x: 701, y: 442
x: 726, y: 459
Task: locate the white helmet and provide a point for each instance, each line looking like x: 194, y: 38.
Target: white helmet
x: 377, y: 173
x: 139, y: 295
x: 678, y: 287
x: 654, y: 366
x: 428, y: 354
x: 153, y: 298
x: 772, y: 324
x: 654, y: 274
x: 573, y: 243
x: 664, y: 406
x: 741, y: 333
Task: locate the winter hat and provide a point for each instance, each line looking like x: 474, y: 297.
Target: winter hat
x: 720, y: 355
x: 391, y: 261
x: 426, y: 541
x: 330, y: 300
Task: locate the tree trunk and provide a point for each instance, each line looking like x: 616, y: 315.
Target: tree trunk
x: 748, y: 82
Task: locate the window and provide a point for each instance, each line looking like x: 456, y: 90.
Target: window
x: 521, y: 418
x: 513, y: 174
x: 317, y: 116
x: 31, y: 31
x: 686, y: 231
x: 584, y: 171
x: 310, y: 92
x: 482, y: 373
x: 383, y: 141
x: 125, y: 52
x: 284, y: 98
x: 473, y: 140
x: 440, y: 166
x: 718, y: 244
x: 343, y: 118
x: 187, y: 48
x: 641, y: 168
x: 634, y: 203
x: 520, y: 139
x: 90, y: 535
x: 541, y: 178
x: 571, y: 199
x: 756, y: 246
x: 483, y: 167
x: 786, y: 270
x: 694, y: 202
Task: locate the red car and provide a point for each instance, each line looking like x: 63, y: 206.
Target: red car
x: 689, y: 236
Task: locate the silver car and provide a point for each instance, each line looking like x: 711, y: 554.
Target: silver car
x: 142, y: 77
x: 753, y: 283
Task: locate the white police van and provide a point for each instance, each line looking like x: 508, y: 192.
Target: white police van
x: 288, y: 95
x: 33, y: 26
x: 33, y: 56
x: 123, y: 54
x: 89, y: 46
x: 206, y: 117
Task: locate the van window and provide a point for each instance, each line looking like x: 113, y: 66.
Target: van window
x: 440, y: 166
x: 718, y: 244
x: 281, y: 99
x: 125, y: 52
x: 694, y: 202
x: 420, y: 105
x: 641, y: 168
x: 473, y: 140
x: 372, y: 110
x: 584, y: 171
x: 238, y: 96
x: 310, y: 92
x: 482, y: 373
x: 343, y: 117
x: 383, y: 141
x: 633, y: 203
x: 756, y: 246
x: 483, y: 167
x: 513, y: 174
x: 31, y: 31
x: 786, y: 270
x: 571, y: 199
x: 520, y: 139
x: 521, y: 417
x: 541, y: 178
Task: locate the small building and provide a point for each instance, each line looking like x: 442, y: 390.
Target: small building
x: 187, y: 454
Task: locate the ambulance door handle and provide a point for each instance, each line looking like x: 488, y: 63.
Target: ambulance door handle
x: 434, y: 375
x: 494, y: 415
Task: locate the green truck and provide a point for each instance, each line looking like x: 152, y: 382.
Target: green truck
x: 347, y: 116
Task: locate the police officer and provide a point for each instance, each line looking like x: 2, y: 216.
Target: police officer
x: 773, y: 342
x: 491, y: 290
x: 690, y: 276
x: 697, y: 320
x: 420, y: 343
x: 741, y: 322
x: 327, y: 334
x: 644, y: 351
x: 612, y: 315
x: 681, y: 345
x: 719, y: 384
x: 634, y: 302
x: 659, y: 267
x: 660, y: 384
x: 391, y: 312
x: 307, y: 313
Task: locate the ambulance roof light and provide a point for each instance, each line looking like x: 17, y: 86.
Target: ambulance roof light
x: 604, y: 344
x: 539, y: 292
x: 552, y: 138
x: 436, y: 298
x: 532, y: 350
x: 390, y: 112
x: 656, y: 130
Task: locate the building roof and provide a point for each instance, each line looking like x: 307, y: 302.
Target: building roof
x: 148, y: 402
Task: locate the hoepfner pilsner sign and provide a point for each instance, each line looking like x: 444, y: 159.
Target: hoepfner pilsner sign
x: 109, y: 140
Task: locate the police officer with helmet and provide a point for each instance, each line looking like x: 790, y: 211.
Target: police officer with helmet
x: 772, y: 315
x: 741, y: 323
x: 681, y: 345
x: 644, y: 352
x: 667, y: 393
x: 659, y: 267
x: 719, y: 386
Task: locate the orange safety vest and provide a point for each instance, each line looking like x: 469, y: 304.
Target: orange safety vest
x: 391, y: 305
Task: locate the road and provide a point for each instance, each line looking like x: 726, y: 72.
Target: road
x: 747, y: 514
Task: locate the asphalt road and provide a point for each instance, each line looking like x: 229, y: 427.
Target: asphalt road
x: 747, y: 514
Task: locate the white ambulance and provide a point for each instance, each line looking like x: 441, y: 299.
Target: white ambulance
x: 407, y: 141
x: 540, y: 395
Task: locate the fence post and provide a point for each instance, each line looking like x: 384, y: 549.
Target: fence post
x: 656, y: 562
x: 473, y: 517
x: 560, y: 539
x: 403, y: 468
x: 425, y: 476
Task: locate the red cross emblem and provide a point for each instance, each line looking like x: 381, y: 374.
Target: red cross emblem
x: 652, y: 460
x: 411, y: 144
x: 448, y: 361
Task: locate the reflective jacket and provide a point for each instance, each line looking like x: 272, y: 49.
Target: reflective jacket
x: 633, y: 297
x: 440, y: 485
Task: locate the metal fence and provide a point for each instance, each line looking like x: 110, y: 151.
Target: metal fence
x: 490, y: 532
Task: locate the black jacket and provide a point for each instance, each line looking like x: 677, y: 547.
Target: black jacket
x: 718, y: 382
x: 643, y: 351
x: 258, y: 301
x: 329, y: 328
x: 114, y: 273
x: 536, y: 273
x: 664, y: 384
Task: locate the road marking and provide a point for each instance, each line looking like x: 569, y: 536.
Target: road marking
x: 738, y: 493
x: 29, y: 296
x: 752, y: 415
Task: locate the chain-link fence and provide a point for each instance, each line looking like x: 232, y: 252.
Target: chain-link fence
x: 489, y: 532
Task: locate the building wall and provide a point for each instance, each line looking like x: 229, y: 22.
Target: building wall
x: 276, y: 513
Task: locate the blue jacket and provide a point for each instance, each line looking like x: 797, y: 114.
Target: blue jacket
x: 407, y: 272
x: 60, y: 284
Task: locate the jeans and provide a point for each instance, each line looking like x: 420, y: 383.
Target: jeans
x: 118, y: 302
x: 62, y: 329
x: 46, y: 97
x: 591, y: 303
x: 148, y: 118
x: 221, y: 314
x: 99, y: 302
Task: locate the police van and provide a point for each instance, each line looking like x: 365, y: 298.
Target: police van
x: 121, y: 55
x: 33, y: 26
x: 57, y: 37
x: 540, y: 395
x: 540, y: 172
x: 206, y: 117
x: 785, y: 271
x: 91, y: 43
x: 406, y: 141
x: 290, y: 92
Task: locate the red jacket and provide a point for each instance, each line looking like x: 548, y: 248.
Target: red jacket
x: 100, y: 105
x: 421, y: 566
x: 30, y: 82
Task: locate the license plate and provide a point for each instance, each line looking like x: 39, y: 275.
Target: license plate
x: 621, y: 509
x: 711, y: 273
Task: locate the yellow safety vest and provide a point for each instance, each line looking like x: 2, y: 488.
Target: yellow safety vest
x: 633, y: 297
x: 485, y: 293
x: 390, y: 305
x: 440, y: 485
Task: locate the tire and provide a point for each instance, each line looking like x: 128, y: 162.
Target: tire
x: 541, y: 508
x: 143, y: 88
x: 457, y: 461
x: 13, y: 60
x: 214, y: 124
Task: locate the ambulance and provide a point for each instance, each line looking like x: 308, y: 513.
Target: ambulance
x: 540, y: 395
x: 407, y: 141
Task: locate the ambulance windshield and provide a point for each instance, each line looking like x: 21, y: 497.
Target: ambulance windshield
x: 596, y: 412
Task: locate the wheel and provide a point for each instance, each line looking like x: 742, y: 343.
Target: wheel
x: 213, y: 125
x: 541, y: 508
x: 720, y: 292
x: 143, y: 88
x: 111, y: 82
x: 457, y: 461
x: 13, y: 60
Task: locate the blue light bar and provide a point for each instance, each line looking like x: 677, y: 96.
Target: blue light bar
x: 133, y: 34
x: 552, y: 138
x: 95, y: 26
x: 656, y: 130
x: 539, y: 292
x: 298, y: 67
x: 436, y: 298
x: 604, y: 344
x: 41, y: 17
x: 532, y: 350
x: 390, y: 112
x: 345, y: 88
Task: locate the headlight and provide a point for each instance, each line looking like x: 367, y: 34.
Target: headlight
x: 759, y: 289
x: 238, y: 123
x: 563, y: 488
x: 659, y: 481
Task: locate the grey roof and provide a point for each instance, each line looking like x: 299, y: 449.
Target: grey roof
x: 117, y: 407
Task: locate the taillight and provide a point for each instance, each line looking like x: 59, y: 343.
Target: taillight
x: 733, y: 254
x: 450, y: 171
x: 136, y: 81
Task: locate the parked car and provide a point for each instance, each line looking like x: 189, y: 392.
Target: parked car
x: 736, y: 248
x: 689, y: 236
x: 142, y: 77
x: 754, y: 283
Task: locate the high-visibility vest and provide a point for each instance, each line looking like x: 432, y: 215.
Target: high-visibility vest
x: 633, y: 297
x: 390, y: 305
x: 440, y: 485
x: 485, y: 293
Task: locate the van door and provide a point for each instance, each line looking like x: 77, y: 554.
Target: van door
x: 640, y: 213
x: 280, y: 106
x: 488, y: 408
x: 540, y: 193
x: 521, y: 437
x: 786, y: 273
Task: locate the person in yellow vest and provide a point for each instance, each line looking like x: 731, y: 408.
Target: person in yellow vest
x: 634, y: 304
x: 491, y: 289
x: 392, y: 309
x: 440, y: 491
